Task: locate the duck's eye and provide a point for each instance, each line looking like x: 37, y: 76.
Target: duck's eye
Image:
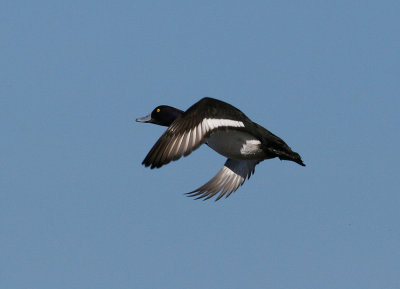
x: 158, y: 110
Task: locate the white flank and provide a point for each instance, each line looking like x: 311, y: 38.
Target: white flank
x: 251, y: 146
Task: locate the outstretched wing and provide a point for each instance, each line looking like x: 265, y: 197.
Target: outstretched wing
x: 187, y: 133
x: 232, y: 175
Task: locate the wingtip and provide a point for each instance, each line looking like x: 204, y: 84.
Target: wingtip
x: 300, y: 162
x: 152, y: 165
x: 200, y: 195
x: 193, y: 194
x: 148, y: 164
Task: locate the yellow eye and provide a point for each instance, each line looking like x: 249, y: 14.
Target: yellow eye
x: 158, y: 110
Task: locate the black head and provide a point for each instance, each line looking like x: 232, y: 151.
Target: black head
x: 162, y: 115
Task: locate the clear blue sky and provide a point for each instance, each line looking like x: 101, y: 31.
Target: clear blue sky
x: 77, y: 208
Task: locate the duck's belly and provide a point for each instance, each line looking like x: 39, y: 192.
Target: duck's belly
x: 235, y: 145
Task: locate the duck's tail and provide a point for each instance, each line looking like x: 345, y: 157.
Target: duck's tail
x: 276, y: 147
x: 291, y: 156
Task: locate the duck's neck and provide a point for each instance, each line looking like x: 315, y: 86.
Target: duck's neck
x: 174, y: 114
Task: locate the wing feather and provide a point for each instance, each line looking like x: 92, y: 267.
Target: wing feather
x: 177, y: 141
x: 191, y: 130
x: 232, y: 175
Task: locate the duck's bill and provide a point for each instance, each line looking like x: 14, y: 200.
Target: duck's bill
x: 146, y: 118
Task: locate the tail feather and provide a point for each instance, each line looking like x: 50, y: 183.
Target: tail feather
x: 292, y: 156
x: 274, y: 146
x: 284, y: 152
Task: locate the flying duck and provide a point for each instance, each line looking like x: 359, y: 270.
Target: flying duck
x: 226, y: 130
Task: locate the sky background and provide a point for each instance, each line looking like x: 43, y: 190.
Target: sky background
x: 77, y: 208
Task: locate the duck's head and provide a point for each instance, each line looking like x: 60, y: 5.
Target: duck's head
x: 162, y: 115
